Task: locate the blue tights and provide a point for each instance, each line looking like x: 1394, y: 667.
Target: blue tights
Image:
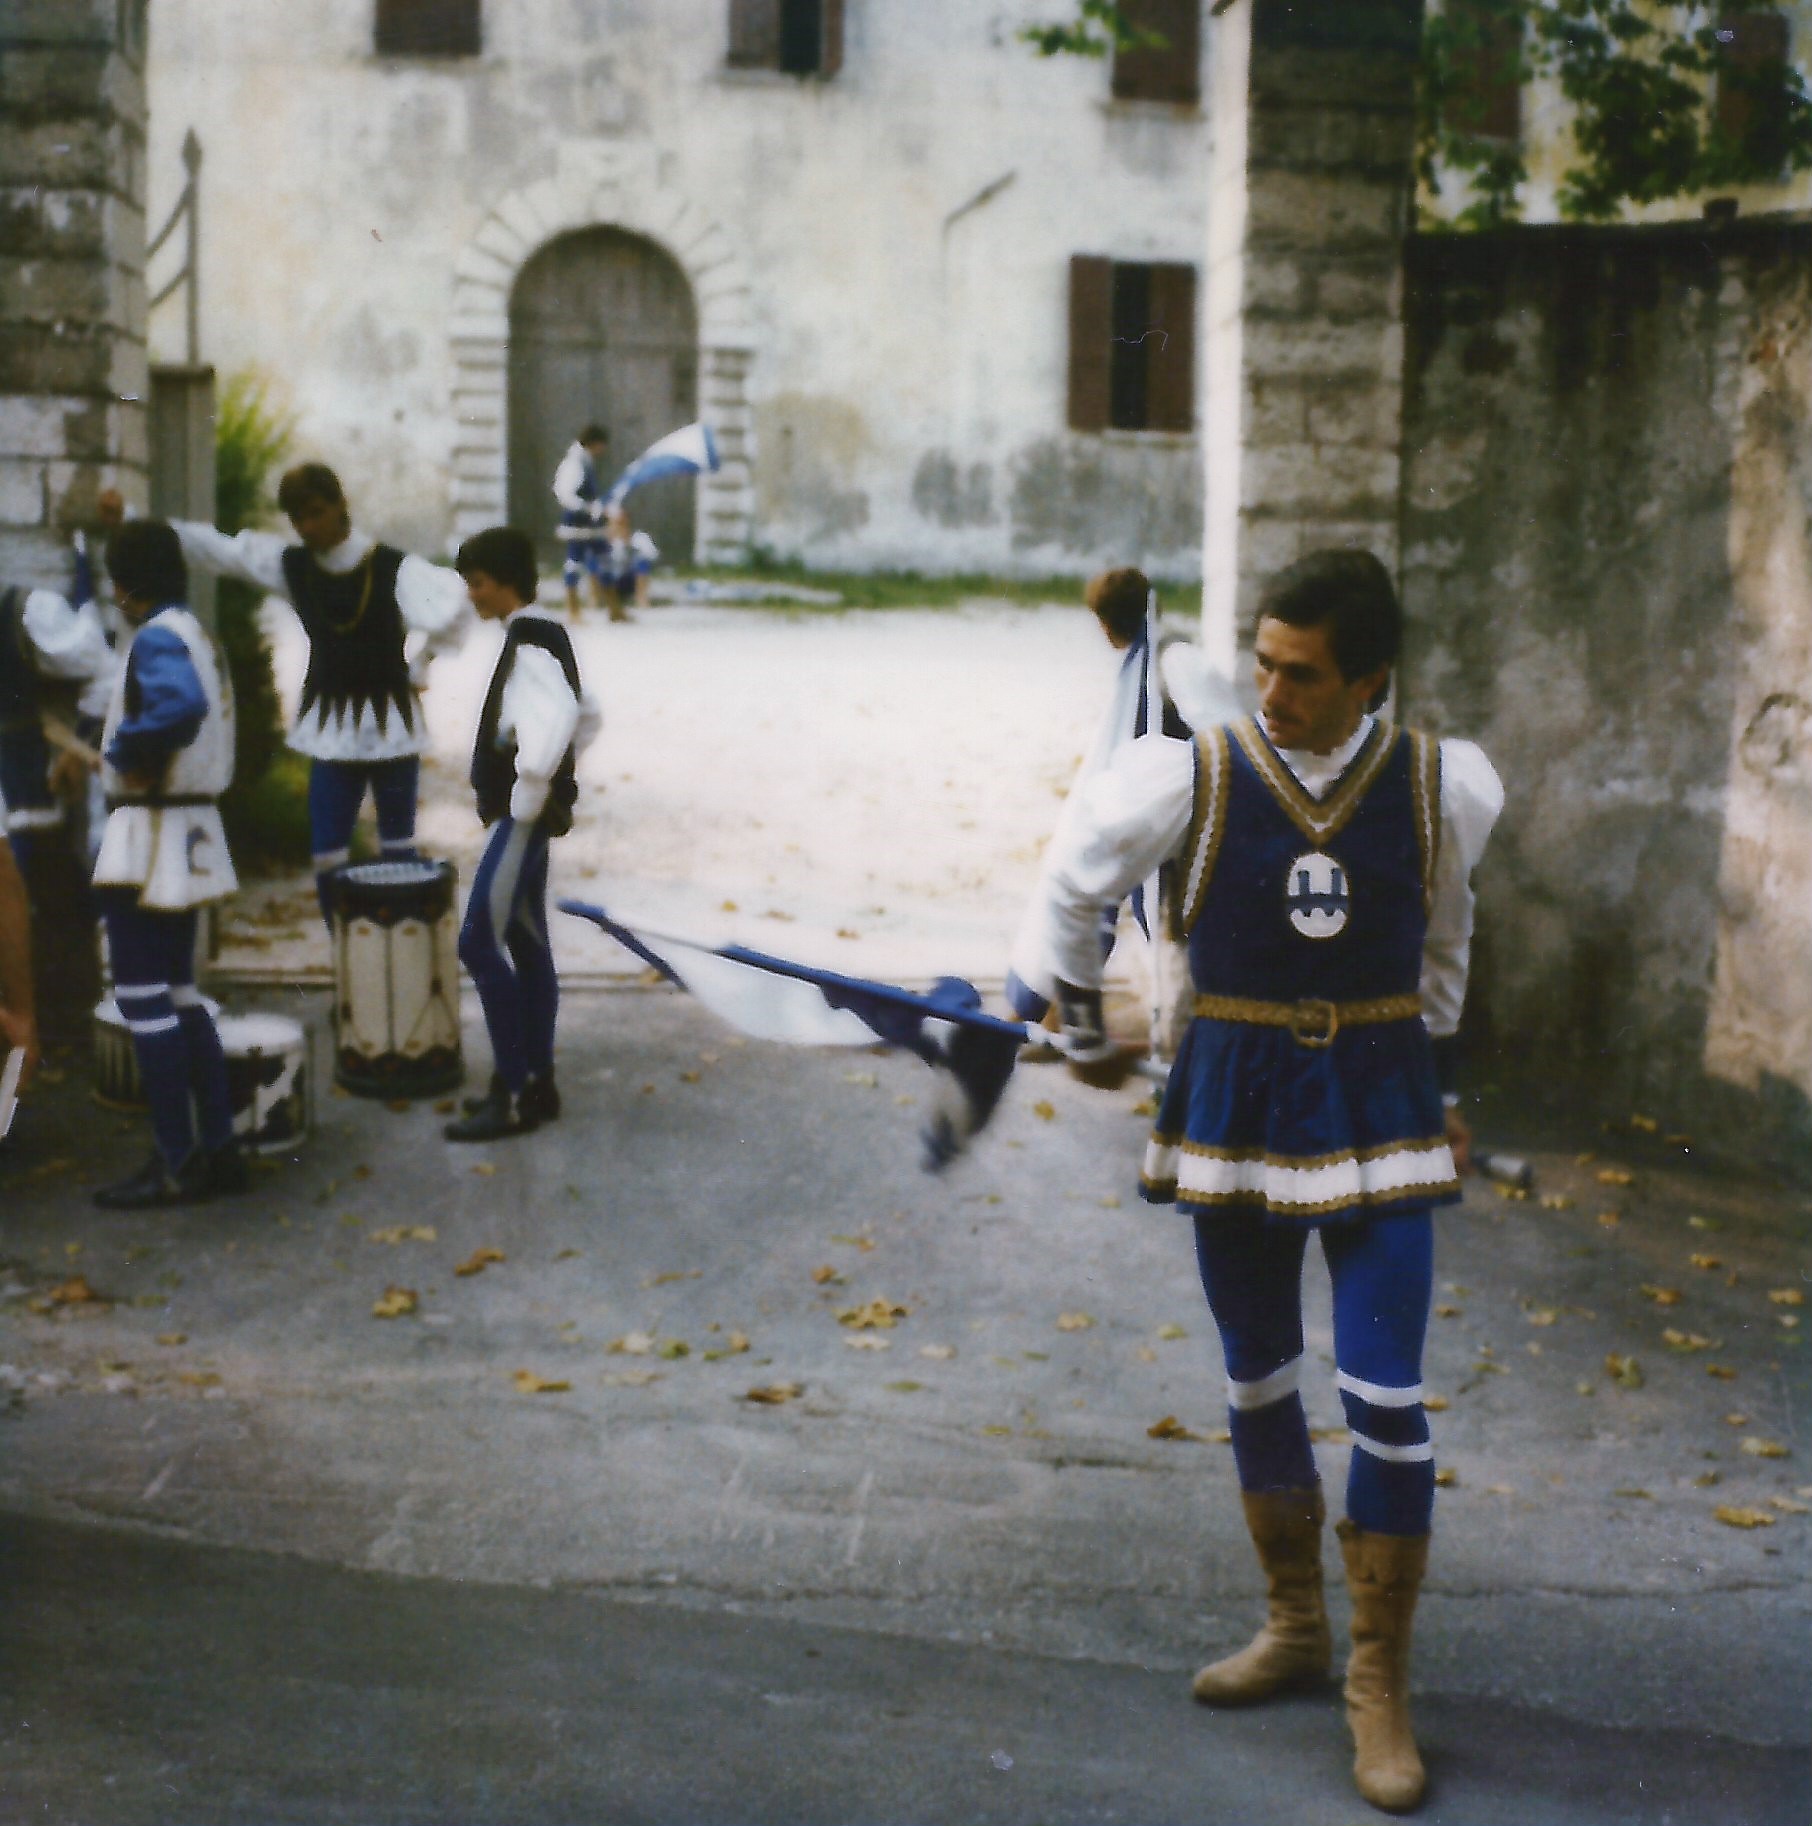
x: 1382, y: 1270
x: 504, y: 946
x: 336, y: 790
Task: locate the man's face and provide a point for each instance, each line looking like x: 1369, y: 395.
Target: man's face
x: 491, y: 599
x: 597, y: 447
x: 134, y: 608
x: 321, y: 525
x: 1303, y: 700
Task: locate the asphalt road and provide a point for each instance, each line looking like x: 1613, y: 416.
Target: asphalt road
x: 268, y: 1556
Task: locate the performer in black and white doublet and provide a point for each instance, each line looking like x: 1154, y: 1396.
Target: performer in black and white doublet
x: 167, y: 756
x: 1322, y: 860
x: 579, y: 489
x: 536, y: 721
x: 359, y: 716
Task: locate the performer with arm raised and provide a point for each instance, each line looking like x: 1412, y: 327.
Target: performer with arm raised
x: 359, y: 719
x: 535, y: 722
x: 1322, y: 862
x: 580, y: 491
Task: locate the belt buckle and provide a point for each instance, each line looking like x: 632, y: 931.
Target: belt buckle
x: 1314, y: 1023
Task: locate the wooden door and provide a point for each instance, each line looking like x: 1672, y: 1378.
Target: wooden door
x: 602, y: 327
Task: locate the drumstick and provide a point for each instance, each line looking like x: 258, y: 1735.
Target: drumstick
x: 59, y: 735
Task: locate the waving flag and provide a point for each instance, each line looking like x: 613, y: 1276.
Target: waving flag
x: 689, y: 451
x: 769, y: 998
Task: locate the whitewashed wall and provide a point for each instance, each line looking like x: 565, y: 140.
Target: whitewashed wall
x: 905, y: 392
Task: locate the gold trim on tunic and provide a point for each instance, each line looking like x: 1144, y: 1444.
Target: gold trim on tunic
x: 1181, y: 1144
x: 1425, y: 791
x: 1295, y: 1015
x: 1318, y: 819
x: 1207, y: 821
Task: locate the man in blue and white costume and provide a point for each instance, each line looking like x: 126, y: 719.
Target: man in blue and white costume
x: 579, y: 489
x: 359, y: 717
x: 166, y: 757
x: 1322, y: 862
x: 536, y: 721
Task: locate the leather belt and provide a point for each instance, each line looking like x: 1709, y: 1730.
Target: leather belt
x: 1312, y: 1023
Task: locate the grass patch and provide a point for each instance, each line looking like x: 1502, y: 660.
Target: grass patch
x: 916, y: 590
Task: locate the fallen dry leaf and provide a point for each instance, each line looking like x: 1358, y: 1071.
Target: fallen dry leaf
x: 1146, y: 1354
x: 1662, y: 1296
x: 75, y: 1292
x: 173, y: 1337
x: 938, y: 1353
x: 735, y: 1344
x: 1722, y: 1371
x: 827, y: 1276
x: 1706, y: 1262
x: 1075, y: 1321
x: 1736, y: 1420
x: 630, y: 1378
x: 396, y: 1302
x: 1647, y: 1124
x: 1540, y: 1315
x: 997, y: 1432
x: 864, y: 1243
x: 1626, y: 1372
x: 1786, y: 1296
x: 774, y: 1393
x: 1146, y: 1106
x: 903, y: 1388
x: 868, y: 1341
x: 1329, y: 1436
x: 880, y: 1311
x: 1171, y: 1332
x: 672, y: 1349
x: 479, y: 1260
x: 1448, y: 1312
x: 1446, y: 1479
x: 1707, y: 1480
x: 528, y: 1383
x: 1743, y: 1518
x: 1045, y: 1112
x: 1635, y: 1490
x: 1609, y: 1220
x: 673, y: 1274
x: 1687, y: 1340
x: 1614, y: 1176
x: 631, y: 1344
x: 1436, y: 1404
x: 1789, y: 1505
x: 1556, y: 1201
x: 1168, y: 1428
x: 689, y: 1077
x: 1764, y: 1448
x: 863, y: 1080
x: 484, y: 1169
x: 405, y: 1233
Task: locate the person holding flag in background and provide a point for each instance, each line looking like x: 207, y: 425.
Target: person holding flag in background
x: 580, y: 492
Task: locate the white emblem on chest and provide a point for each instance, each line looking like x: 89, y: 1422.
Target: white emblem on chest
x: 1318, y: 895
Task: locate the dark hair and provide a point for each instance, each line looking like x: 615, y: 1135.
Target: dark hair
x: 144, y: 558
x: 1352, y: 594
x: 594, y: 434
x: 1119, y: 599
x: 504, y: 554
x: 309, y: 482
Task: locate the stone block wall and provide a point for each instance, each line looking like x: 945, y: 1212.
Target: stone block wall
x: 73, y: 376
x: 1607, y: 566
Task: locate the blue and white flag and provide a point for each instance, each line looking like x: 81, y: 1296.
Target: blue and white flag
x: 689, y: 451
x: 769, y: 998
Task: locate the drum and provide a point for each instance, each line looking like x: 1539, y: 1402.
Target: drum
x: 116, y: 1080
x: 268, y: 1083
x: 396, y: 979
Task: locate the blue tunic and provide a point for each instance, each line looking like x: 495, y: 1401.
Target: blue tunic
x: 1305, y: 1087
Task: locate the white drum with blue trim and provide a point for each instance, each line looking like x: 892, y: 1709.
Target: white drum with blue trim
x: 268, y: 1081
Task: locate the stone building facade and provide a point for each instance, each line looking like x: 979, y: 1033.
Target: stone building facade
x: 905, y: 272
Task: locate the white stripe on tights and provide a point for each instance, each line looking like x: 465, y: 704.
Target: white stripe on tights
x: 1278, y: 1386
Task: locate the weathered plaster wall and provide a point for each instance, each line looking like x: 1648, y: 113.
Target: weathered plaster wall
x: 72, y: 253
x: 905, y: 381
x: 1605, y: 560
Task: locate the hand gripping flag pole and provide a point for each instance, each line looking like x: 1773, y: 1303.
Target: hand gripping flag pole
x: 769, y: 998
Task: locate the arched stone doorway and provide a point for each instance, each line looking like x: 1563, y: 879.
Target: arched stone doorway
x: 602, y: 326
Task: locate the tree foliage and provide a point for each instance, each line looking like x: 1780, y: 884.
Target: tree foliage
x: 1664, y: 104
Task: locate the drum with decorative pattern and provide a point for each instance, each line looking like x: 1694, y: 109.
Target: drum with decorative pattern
x: 396, y: 979
x: 268, y: 1082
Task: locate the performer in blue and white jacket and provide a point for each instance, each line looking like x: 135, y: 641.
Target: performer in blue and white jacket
x: 536, y: 721
x: 1321, y: 861
x: 167, y: 756
x: 359, y: 718
x: 579, y: 489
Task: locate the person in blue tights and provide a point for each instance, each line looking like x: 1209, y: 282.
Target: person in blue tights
x: 535, y: 722
x: 166, y: 757
x: 1320, y: 859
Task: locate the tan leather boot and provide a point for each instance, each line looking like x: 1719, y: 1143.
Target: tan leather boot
x: 1384, y: 1574
x: 1293, y: 1647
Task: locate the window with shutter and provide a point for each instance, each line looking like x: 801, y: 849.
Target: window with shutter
x: 1132, y: 345
x: 796, y: 37
x: 1167, y: 72
x: 1753, y: 48
x: 1486, y: 99
x: 427, y: 28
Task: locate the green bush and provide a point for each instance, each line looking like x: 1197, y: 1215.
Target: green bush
x: 265, y: 809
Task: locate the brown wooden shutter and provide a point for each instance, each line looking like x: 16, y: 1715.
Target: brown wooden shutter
x: 755, y: 34
x: 1171, y: 73
x: 1755, y: 47
x: 1170, y: 350
x: 1487, y: 98
x: 427, y: 28
x: 830, y: 56
x: 1091, y: 339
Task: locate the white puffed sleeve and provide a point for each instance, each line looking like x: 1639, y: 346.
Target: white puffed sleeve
x: 251, y: 556
x: 540, y: 715
x: 1203, y: 696
x: 434, y: 605
x: 1116, y: 829
x: 1472, y: 796
x: 68, y: 644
